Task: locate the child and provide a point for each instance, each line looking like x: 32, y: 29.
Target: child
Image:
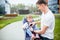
x: 28, y: 28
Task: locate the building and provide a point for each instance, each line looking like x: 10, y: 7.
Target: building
x: 59, y: 6
x: 54, y: 5
x: 23, y: 11
x: 7, y: 7
x: 4, y: 7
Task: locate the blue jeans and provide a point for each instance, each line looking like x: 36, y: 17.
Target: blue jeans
x: 44, y: 38
x: 28, y: 38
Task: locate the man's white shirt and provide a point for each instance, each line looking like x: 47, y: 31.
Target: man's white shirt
x: 48, y: 19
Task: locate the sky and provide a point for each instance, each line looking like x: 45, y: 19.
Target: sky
x: 26, y: 2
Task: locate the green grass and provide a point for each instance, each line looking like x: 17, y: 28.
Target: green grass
x: 3, y: 23
x: 57, y: 29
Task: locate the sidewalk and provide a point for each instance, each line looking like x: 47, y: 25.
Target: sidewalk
x: 12, y: 31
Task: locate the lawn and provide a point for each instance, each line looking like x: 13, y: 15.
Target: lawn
x: 3, y: 23
x: 57, y: 28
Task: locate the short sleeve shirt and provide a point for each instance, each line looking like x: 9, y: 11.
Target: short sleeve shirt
x: 48, y: 20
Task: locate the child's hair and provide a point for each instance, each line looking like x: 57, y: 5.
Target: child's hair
x: 25, y: 19
x: 29, y: 16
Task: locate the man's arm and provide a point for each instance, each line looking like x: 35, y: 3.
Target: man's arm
x: 38, y: 22
x: 42, y: 31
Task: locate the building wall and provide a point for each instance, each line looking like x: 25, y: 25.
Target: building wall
x: 54, y: 5
x: 59, y: 5
x: 7, y: 7
x: 4, y: 7
x: 2, y: 2
x: 47, y: 1
x: 59, y: 1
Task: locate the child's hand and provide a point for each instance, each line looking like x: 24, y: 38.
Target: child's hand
x: 31, y: 29
x: 33, y: 23
x: 33, y: 37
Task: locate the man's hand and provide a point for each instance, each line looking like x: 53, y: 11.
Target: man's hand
x: 33, y: 23
x: 37, y: 31
x: 36, y: 22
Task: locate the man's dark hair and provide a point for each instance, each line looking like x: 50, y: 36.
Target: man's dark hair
x: 41, y: 2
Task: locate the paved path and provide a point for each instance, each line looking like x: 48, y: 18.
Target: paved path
x: 12, y: 31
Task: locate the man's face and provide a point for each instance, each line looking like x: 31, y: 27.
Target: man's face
x: 41, y: 7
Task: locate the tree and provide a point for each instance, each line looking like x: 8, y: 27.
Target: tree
x: 14, y: 8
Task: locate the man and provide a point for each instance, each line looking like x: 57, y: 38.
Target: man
x: 47, y: 21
